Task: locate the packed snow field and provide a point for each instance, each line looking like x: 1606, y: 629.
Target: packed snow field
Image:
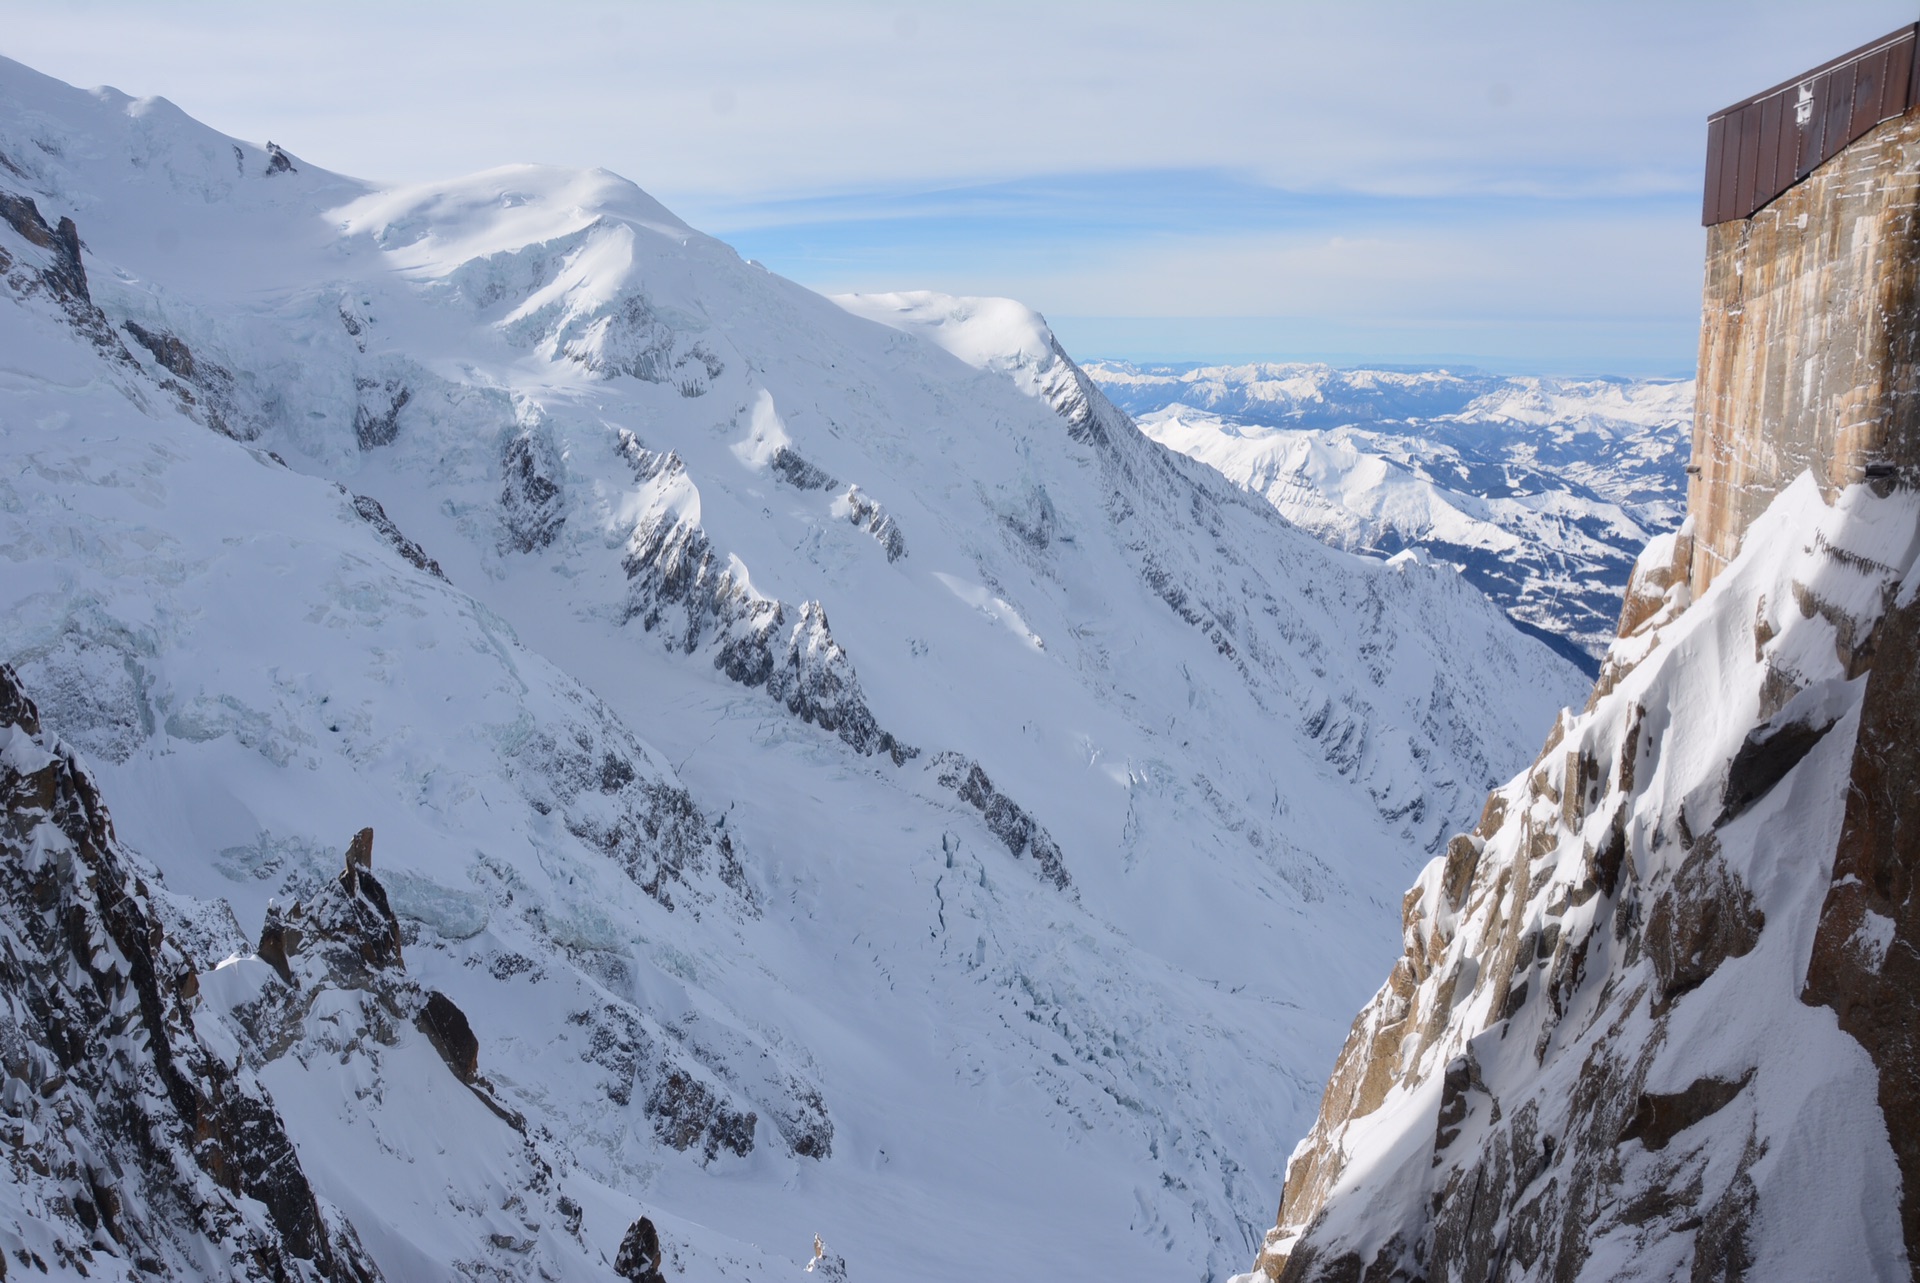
x: 1542, y: 491
x: 849, y: 778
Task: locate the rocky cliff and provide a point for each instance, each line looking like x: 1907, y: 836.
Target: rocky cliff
x: 134, y: 1143
x: 1655, y: 1017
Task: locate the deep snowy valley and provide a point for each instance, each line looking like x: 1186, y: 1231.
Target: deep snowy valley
x: 828, y: 771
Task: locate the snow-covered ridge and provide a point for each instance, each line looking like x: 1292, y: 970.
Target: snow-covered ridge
x: 1541, y: 490
x: 844, y: 787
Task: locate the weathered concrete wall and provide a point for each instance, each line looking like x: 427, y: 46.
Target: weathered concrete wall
x: 1808, y: 341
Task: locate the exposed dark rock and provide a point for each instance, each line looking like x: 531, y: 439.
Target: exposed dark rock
x: 128, y: 1119
x: 1005, y: 818
x: 374, y: 515
x: 67, y: 275
x: 798, y: 473
x: 348, y: 926
x: 1461, y: 1079
x: 1706, y: 917
x: 1658, y: 1118
x: 204, y: 389
x: 687, y: 1113
x: 1866, y: 953
x: 1463, y: 857
x: 532, y: 508
x: 169, y: 351
x: 652, y: 829
x: 638, y: 1260
x: 279, y: 941
x: 446, y: 1027
x: 635, y: 340
x: 376, y: 411
x: 876, y: 521
x: 62, y: 279
x: 1763, y: 760
x: 616, y: 1043
x: 678, y: 584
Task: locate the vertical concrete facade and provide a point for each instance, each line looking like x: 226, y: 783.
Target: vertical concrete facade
x: 1810, y: 342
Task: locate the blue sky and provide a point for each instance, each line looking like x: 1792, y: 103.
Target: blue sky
x: 1513, y: 185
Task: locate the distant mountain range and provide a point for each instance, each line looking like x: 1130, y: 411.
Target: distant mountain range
x: 1542, y: 491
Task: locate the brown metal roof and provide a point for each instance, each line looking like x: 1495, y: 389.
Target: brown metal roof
x: 1762, y: 145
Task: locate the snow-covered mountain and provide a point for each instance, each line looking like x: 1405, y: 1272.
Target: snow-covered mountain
x: 1541, y: 490
x: 828, y: 771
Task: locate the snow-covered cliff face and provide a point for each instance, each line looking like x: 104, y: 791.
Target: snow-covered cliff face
x: 1604, y: 1053
x: 845, y: 778
x: 1542, y: 490
x: 1655, y: 1015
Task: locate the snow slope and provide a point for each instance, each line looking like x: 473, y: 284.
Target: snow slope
x: 849, y: 778
x: 1541, y: 490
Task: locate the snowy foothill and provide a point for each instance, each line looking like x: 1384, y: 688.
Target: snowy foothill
x: 851, y: 780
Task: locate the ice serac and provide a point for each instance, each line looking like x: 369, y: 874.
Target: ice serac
x: 1655, y: 1014
x: 138, y: 1145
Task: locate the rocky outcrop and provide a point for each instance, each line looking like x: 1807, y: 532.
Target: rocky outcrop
x: 204, y: 389
x: 65, y: 276
x: 638, y: 1260
x: 376, y: 410
x: 786, y: 464
x: 374, y: 515
x: 532, y: 505
x: 345, y: 940
x: 345, y: 935
x: 129, y: 1137
x: 680, y: 586
x: 1593, y: 1039
x: 853, y: 504
x: 867, y: 514
x: 1866, y: 956
x: 690, y: 1088
x: 1004, y: 817
x: 47, y: 264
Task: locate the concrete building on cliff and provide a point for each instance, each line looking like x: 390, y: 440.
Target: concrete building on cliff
x: 1810, y: 324
x: 1658, y: 1015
